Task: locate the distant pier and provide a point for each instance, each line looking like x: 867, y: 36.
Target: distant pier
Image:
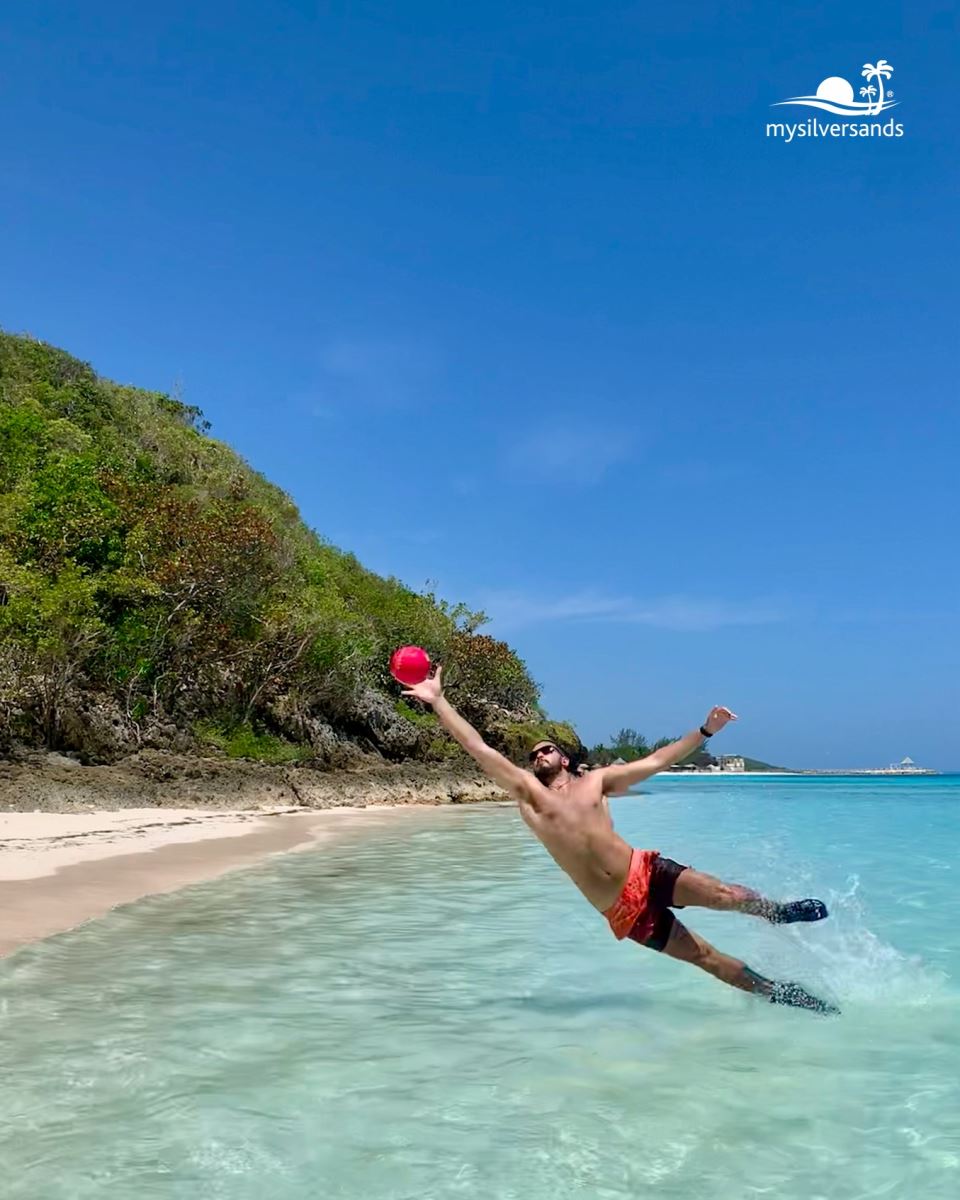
x: 906, y: 766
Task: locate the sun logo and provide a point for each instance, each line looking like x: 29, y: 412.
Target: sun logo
x: 835, y: 94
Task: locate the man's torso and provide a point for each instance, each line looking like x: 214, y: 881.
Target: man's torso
x: 575, y: 827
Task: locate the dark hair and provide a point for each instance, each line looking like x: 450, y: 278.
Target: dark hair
x: 550, y: 742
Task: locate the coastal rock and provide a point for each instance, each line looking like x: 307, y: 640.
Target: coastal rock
x: 95, y: 728
x: 165, y: 735
x: 53, y: 759
x: 383, y: 726
x: 43, y: 782
x: 330, y: 749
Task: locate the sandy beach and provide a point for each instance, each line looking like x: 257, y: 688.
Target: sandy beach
x: 58, y: 870
x: 77, y: 841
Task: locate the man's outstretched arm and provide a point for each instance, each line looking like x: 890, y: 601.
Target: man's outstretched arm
x: 616, y: 779
x: 497, y: 766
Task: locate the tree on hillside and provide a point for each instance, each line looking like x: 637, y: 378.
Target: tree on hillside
x: 629, y: 744
x: 152, y: 585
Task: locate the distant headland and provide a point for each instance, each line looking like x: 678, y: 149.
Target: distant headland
x: 735, y: 764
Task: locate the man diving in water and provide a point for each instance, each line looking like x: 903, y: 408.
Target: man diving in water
x: 635, y: 890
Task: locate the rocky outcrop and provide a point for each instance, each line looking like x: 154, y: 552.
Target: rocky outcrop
x: 94, y: 727
x: 373, y: 718
x: 61, y: 783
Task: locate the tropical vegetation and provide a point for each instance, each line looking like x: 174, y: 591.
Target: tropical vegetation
x: 156, y: 591
x: 628, y: 745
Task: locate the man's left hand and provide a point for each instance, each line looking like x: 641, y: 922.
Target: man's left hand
x: 718, y: 717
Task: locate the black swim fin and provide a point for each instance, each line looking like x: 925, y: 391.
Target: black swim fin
x: 797, y: 997
x: 798, y: 910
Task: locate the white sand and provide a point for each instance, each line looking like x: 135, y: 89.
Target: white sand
x: 40, y: 843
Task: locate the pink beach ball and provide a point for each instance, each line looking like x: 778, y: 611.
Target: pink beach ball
x: 410, y: 665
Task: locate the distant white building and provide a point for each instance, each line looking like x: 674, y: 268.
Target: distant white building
x: 906, y: 766
x: 732, y: 762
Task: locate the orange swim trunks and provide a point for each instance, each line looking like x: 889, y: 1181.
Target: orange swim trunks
x: 642, y: 910
x: 632, y: 907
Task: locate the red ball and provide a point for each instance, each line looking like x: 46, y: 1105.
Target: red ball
x: 410, y: 665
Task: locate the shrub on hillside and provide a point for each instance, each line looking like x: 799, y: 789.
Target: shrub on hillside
x: 482, y: 671
x: 143, y: 560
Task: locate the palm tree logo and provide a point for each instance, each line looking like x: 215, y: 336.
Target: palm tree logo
x: 880, y: 72
x: 836, y: 94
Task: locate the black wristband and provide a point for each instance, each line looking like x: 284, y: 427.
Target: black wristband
x: 705, y: 731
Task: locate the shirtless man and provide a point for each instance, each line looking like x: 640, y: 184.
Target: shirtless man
x: 634, y: 889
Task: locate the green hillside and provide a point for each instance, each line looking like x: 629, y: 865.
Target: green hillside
x: 756, y: 764
x: 155, y: 591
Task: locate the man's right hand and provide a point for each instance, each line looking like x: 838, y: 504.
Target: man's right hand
x: 430, y: 691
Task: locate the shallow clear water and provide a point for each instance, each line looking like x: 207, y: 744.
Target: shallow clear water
x: 434, y: 1011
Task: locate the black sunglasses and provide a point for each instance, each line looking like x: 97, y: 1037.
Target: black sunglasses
x: 541, y: 750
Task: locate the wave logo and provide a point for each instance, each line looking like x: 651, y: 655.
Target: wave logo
x: 836, y: 95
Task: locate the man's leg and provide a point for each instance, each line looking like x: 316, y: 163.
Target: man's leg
x: 696, y: 889
x: 690, y: 947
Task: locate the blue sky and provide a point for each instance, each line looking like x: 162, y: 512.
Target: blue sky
x: 520, y: 299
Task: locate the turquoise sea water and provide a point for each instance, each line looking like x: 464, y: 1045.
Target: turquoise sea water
x: 433, y: 1011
